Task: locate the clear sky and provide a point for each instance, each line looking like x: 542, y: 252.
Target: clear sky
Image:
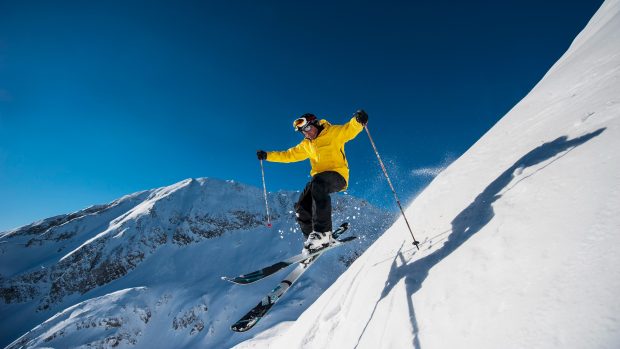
x: 102, y: 99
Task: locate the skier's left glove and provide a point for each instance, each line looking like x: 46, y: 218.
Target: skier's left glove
x: 261, y: 155
x: 361, y: 117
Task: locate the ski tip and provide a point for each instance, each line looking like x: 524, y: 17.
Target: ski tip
x: 243, y: 326
x: 236, y: 281
x: 238, y: 329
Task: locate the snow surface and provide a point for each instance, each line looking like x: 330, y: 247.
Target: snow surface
x: 519, y: 235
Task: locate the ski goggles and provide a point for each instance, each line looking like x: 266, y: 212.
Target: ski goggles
x: 302, y: 125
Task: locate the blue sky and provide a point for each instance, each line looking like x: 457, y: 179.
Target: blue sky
x: 98, y: 100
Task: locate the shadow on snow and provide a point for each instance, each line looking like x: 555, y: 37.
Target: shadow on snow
x: 467, y: 223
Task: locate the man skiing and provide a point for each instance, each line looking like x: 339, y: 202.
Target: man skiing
x: 323, y: 144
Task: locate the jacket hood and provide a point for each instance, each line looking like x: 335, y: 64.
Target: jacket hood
x: 324, y: 123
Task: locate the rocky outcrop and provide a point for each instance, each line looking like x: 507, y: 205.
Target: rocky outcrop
x: 191, y: 319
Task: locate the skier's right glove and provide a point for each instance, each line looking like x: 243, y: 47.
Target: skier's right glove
x: 261, y: 154
x: 361, y: 117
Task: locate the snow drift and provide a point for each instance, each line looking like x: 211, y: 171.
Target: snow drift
x: 519, y: 235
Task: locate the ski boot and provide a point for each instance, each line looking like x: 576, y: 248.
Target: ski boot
x: 317, y: 240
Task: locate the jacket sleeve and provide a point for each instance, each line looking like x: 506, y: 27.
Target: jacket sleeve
x: 296, y: 153
x: 350, y: 130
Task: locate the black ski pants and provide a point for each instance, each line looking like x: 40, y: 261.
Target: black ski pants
x: 314, y: 207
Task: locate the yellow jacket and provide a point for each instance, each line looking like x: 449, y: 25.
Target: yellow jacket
x: 326, y: 152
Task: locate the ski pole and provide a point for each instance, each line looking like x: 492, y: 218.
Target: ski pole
x: 415, y: 242
x: 265, y: 194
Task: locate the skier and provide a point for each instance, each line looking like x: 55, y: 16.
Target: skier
x: 323, y: 144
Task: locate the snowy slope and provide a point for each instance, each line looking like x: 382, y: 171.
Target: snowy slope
x: 144, y: 271
x: 520, y: 234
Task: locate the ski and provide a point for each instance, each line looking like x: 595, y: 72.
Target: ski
x: 260, y: 310
x: 274, y: 268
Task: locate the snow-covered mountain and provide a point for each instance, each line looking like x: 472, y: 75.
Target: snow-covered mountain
x: 520, y: 235
x: 144, y: 271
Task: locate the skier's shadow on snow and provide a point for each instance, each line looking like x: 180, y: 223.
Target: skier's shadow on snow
x: 470, y: 221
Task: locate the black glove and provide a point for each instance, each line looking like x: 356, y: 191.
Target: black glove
x: 261, y: 154
x: 361, y: 117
